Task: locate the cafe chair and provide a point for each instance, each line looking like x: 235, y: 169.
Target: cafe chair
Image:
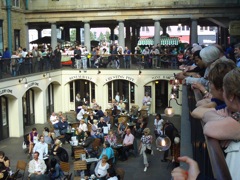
x: 79, y: 166
x: 21, y: 166
x: 120, y: 173
x: 65, y: 166
x: 78, y: 153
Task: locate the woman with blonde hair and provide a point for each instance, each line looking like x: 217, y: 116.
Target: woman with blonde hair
x: 101, y: 168
x: 59, y: 152
x: 145, y: 147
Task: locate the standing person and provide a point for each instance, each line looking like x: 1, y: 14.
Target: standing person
x: 34, y: 60
x: 145, y: 147
x: 84, y: 57
x: 37, y: 168
x: 158, y: 126
x: 237, y: 54
x: 6, y: 54
x: 32, y: 138
x: 87, y: 99
x: 147, y: 101
x: 77, y: 55
x: 57, y: 57
x: 4, y: 165
x: 117, y: 97
x: 127, y: 57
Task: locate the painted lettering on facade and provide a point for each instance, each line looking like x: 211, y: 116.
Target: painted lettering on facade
x: 81, y: 77
x: 33, y: 84
x: 115, y: 77
x: 5, y: 91
x: 162, y: 77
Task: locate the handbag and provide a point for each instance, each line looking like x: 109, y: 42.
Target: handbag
x: 24, y: 146
x: 148, y: 151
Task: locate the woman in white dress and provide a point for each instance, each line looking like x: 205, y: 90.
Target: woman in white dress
x: 101, y: 168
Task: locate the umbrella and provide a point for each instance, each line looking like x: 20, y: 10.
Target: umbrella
x: 45, y: 40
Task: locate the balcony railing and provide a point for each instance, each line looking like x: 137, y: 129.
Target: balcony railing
x: 206, y: 151
x: 22, y: 66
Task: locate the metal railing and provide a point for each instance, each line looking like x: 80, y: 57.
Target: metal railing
x: 206, y: 151
x: 21, y: 66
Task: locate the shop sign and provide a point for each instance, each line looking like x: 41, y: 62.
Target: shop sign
x: 5, y: 91
x: 162, y: 77
x: 81, y: 77
x: 115, y: 77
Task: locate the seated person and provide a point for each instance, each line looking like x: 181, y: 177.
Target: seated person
x: 47, y: 136
x: 122, y: 106
x: 111, y: 138
x: 106, y: 117
x: 127, y: 144
x: 88, y: 142
x: 112, y: 174
x: 101, y: 168
x: 99, y: 112
x: 82, y: 126
x: 55, y: 170
x: 4, y: 165
x: 54, y: 120
x: 81, y: 113
x: 32, y: 138
x: 58, y: 152
x: 95, y: 131
x: 62, y: 126
x: 41, y: 147
x: 91, y: 117
x: 108, y: 151
x: 115, y: 114
x: 37, y: 168
x: 102, y: 124
x: 94, y: 104
x: 122, y: 127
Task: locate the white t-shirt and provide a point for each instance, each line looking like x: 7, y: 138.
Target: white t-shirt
x: 54, y: 119
x: 80, y: 114
x: 83, y: 127
x: 158, y: 124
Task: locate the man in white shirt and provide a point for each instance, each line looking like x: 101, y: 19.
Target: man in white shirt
x: 37, y: 168
x: 81, y: 113
x: 54, y: 118
x: 127, y: 144
x: 42, y: 148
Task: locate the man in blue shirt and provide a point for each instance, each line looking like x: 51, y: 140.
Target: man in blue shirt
x: 237, y: 54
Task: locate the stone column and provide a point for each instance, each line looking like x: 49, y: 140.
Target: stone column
x: 87, y: 35
x: 53, y: 35
x: 27, y: 37
x: 193, y: 32
x: 156, y: 32
x: 121, y: 40
x: 112, y: 35
x: 128, y: 37
x: 39, y: 33
x: 67, y: 33
x: 78, y: 35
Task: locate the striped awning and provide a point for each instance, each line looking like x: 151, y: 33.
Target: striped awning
x: 145, y: 42
x: 164, y: 41
x: 169, y: 41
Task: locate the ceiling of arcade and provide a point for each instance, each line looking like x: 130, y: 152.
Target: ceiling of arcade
x: 136, y: 17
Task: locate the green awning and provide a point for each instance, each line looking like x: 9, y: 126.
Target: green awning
x: 164, y: 41
x: 145, y: 42
x: 169, y: 41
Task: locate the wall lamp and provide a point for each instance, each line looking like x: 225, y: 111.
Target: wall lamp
x: 26, y: 83
x: 49, y: 76
x: 99, y: 72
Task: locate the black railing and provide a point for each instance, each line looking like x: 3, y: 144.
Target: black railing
x: 206, y: 151
x: 22, y: 66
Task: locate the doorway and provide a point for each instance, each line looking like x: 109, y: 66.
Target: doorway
x: 28, y: 108
x: 161, y: 96
x: 4, y: 121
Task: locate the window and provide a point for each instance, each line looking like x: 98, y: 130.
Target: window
x: 201, y: 28
x: 183, y: 28
x: 206, y: 28
x: 147, y: 28
x: 188, y: 28
x: 71, y: 92
x: 143, y: 28
x: 16, y: 3
x: 211, y: 28
x: 169, y: 28
x: 179, y: 28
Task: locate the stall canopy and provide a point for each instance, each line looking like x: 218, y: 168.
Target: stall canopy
x: 165, y: 41
x: 45, y: 40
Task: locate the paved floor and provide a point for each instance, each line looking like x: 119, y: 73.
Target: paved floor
x: 133, y: 166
